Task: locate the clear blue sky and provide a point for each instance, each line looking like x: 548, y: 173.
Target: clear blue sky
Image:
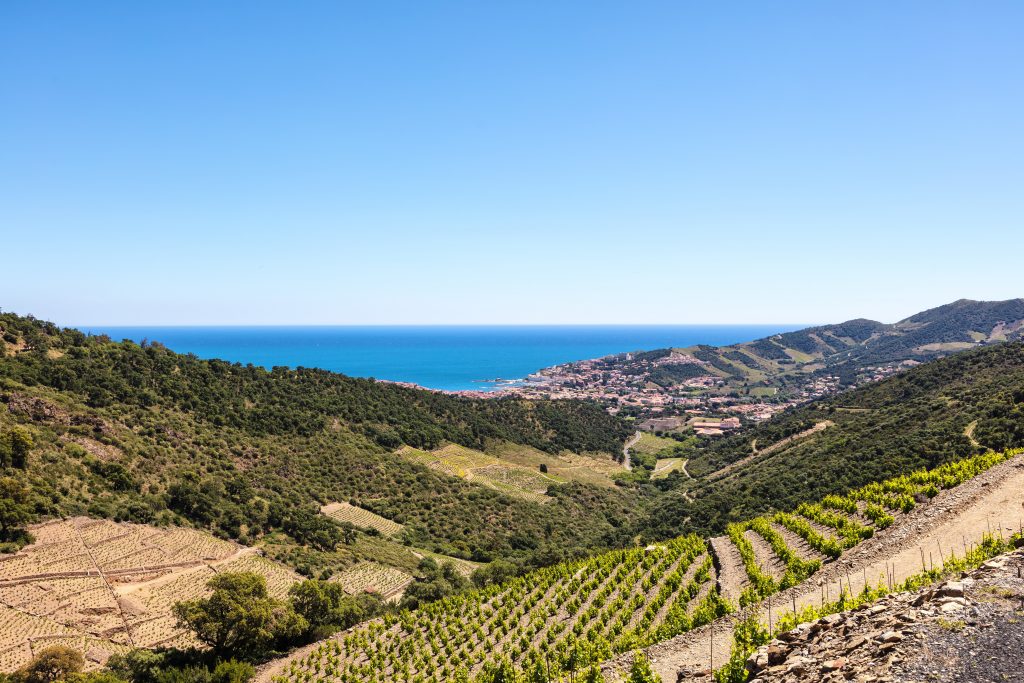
x: 516, y: 162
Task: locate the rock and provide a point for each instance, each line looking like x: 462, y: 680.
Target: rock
x: 891, y: 637
x: 950, y: 607
x: 798, y: 665
x: 776, y: 654
x: 856, y: 642
x: 834, y: 665
x: 758, y: 661
x: 954, y: 589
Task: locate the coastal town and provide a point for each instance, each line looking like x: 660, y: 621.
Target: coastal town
x: 673, y: 390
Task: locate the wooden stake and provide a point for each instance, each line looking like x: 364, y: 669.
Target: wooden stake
x: 712, y: 646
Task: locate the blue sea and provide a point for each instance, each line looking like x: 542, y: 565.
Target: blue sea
x: 438, y: 357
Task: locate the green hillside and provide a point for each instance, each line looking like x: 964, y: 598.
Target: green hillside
x: 852, y: 351
x: 144, y: 434
x: 937, y: 412
x: 563, y: 619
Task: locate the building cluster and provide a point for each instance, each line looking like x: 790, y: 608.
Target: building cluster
x: 701, y: 400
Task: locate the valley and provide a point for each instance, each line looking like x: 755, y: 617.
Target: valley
x: 537, y: 536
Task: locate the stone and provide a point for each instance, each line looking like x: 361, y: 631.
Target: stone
x: 954, y: 589
x: 757, y: 662
x: 891, y: 637
x: 834, y: 665
x: 856, y: 642
x: 798, y: 665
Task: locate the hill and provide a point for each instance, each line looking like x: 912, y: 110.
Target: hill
x: 142, y: 434
x: 863, y: 346
x: 937, y: 412
x: 560, y: 619
x: 760, y: 377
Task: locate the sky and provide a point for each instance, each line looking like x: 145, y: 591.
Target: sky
x: 543, y: 162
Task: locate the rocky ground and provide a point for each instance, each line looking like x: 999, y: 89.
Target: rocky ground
x: 966, y: 630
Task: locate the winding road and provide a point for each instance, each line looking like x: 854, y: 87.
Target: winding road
x: 632, y: 441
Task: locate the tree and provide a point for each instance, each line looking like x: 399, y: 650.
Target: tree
x: 641, y: 671
x: 326, y: 608
x: 21, y: 444
x: 95, y: 677
x: 52, y: 664
x: 15, y: 509
x: 348, y: 533
x: 239, y: 618
x: 435, y: 583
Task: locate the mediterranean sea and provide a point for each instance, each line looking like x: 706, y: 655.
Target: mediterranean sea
x: 438, y: 357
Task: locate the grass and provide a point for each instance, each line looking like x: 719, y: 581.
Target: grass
x: 665, y: 466
x: 516, y: 469
x: 658, y: 446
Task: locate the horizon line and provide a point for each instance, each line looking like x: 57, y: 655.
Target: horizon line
x: 367, y: 325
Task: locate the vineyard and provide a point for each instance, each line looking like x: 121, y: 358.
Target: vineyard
x: 371, y: 577
x: 364, y: 519
x: 104, y: 587
x: 562, y: 618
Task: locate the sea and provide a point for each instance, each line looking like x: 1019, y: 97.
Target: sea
x: 479, y: 358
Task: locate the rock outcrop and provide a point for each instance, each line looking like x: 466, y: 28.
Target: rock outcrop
x: 968, y: 629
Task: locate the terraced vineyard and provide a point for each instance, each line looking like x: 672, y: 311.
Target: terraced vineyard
x: 104, y: 587
x: 567, y: 616
x: 388, y: 582
x: 346, y: 512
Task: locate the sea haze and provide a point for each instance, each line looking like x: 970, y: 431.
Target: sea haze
x: 439, y: 357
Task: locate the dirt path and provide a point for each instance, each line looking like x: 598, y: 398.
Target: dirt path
x: 969, y: 433
x: 127, y: 589
x: 632, y: 441
x: 954, y: 519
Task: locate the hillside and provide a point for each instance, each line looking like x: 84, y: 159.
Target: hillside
x: 861, y: 346
x: 142, y: 434
x: 783, y: 368
x: 934, y: 413
x: 103, y: 587
x: 571, y: 615
x: 981, y: 516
